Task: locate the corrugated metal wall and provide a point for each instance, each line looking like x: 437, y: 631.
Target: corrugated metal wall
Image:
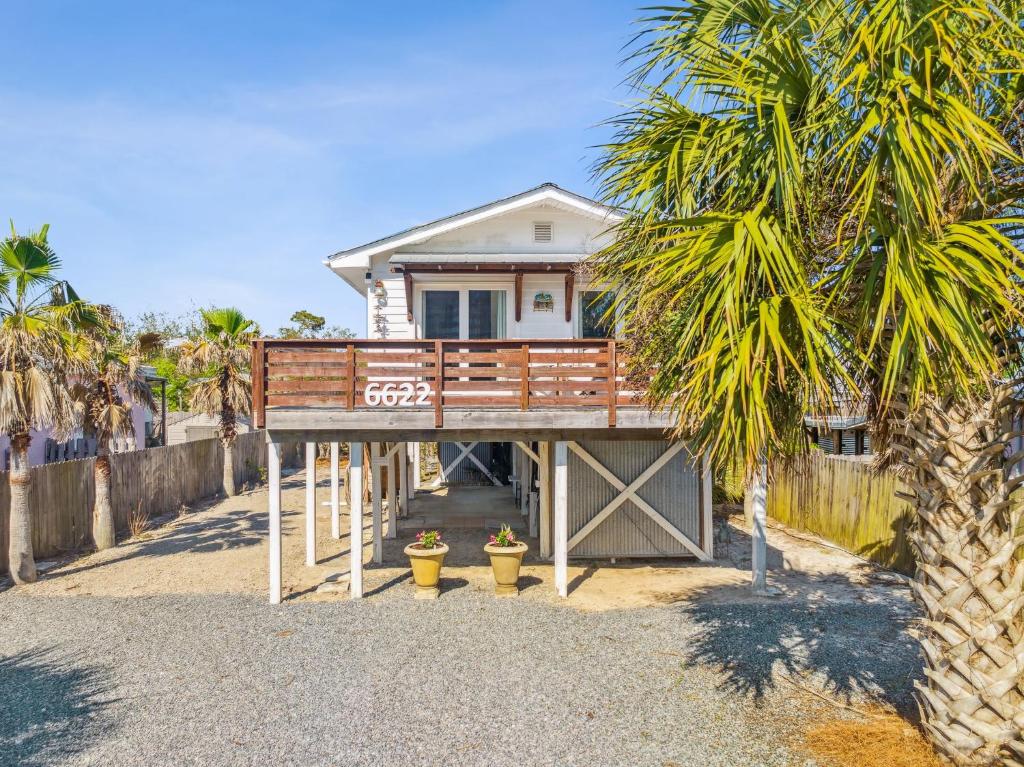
x: 674, y: 491
x: 465, y: 472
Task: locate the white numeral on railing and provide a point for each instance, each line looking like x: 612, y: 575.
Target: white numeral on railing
x: 393, y: 394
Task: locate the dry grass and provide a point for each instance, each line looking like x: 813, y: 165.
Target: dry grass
x: 138, y: 521
x: 883, y: 740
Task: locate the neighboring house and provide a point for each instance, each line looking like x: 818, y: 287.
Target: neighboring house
x: 188, y: 427
x: 499, y: 288
x: 147, y: 425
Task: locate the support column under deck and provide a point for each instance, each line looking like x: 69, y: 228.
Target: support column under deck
x: 310, y: 504
x: 545, y: 499
x: 561, y: 504
x: 335, y: 492
x: 355, y: 531
x: 376, y: 501
x: 274, y: 526
x: 392, y: 496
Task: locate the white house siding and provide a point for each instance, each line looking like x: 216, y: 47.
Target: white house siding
x: 675, y: 491
x: 540, y: 324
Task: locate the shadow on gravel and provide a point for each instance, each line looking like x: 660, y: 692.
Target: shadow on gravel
x: 52, y: 707
x: 842, y: 648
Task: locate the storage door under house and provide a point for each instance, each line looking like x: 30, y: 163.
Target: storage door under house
x: 675, y: 491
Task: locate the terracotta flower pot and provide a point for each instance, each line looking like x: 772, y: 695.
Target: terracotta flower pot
x: 505, y: 562
x: 426, y: 568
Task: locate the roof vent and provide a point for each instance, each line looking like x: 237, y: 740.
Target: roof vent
x: 541, y: 231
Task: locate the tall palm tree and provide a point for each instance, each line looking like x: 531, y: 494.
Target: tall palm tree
x: 220, y: 356
x: 819, y: 204
x: 41, y: 346
x: 115, y: 382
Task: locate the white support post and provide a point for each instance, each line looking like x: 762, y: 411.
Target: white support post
x: 377, y: 503
x: 392, y: 495
x: 525, y: 470
x: 335, y: 493
x: 274, y: 526
x: 545, y: 500
x: 310, y: 504
x: 403, y: 482
x: 415, y: 485
x: 706, y: 505
x: 355, y: 530
x: 758, y: 489
x: 561, y: 493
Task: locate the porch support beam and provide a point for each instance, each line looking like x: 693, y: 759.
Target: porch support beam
x: 355, y: 529
x: 310, y: 504
x: 758, y: 489
x: 415, y: 466
x: 377, y: 502
x: 561, y: 490
x: 403, y: 481
x: 519, y: 295
x: 392, y: 496
x: 407, y: 276
x: 545, y: 500
x: 529, y: 452
x: 335, y: 492
x: 570, y: 282
x: 274, y: 526
x: 706, y: 505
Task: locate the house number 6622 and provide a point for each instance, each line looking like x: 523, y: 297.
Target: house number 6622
x: 392, y: 394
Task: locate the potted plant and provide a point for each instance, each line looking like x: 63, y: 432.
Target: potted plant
x: 426, y: 557
x: 506, y: 553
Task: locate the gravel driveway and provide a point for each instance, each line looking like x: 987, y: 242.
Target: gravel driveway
x: 466, y: 680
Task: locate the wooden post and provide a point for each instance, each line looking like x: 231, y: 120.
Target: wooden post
x: 335, y: 492
x: 350, y: 364
x: 758, y: 489
x: 310, y: 504
x: 707, y: 530
x: 415, y: 467
x: 561, y: 497
x: 403, y: 481
x: 613, y: 386
x: 519, y: 296
x: 545, y: 500
x: 355, y: 529
x: 392, y: 495
x: 524, y: 379
x: 570, y: 281
x: 438, y: 384
x: 258, y: 375
x: 377, y: 503
x: 274, y: 527
x: 525, y: 471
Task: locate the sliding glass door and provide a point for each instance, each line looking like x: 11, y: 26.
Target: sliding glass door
x: 464, y: 313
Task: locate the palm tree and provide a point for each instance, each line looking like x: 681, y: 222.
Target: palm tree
x: 41, y: 345
x: 105, y: 396
x: 819, y: 203
x: 220, y: 355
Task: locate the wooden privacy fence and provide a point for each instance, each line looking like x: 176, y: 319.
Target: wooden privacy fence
x: 846, y: 502
x: 157, y: 480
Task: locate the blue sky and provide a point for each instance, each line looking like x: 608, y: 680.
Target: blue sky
x: 196, y: 153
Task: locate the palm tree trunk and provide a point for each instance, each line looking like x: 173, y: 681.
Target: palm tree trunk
x: 968, y: 580
x: 20, y: 559
x: 103, y: 533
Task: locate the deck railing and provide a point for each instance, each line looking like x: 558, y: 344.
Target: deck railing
x: 438, y: 375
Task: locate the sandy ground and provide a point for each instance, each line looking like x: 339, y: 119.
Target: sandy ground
x: 222, y: 548
x: 702, y: 672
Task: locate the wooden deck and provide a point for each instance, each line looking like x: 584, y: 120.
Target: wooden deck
x: 426, y: 389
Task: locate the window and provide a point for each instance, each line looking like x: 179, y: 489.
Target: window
x: 596, y: 316
x: 440, y: 314
x: 542, y: 231
x: 487, y: 314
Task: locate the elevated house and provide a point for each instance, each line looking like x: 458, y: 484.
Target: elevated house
x: 485, y: 337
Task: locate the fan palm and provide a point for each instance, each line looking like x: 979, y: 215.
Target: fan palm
x: 115, y: 382
x: 819, y: 204
x: 41, y: 345
x: 220, y: 357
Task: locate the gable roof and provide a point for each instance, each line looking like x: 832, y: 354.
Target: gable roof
x: 360, y: 256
